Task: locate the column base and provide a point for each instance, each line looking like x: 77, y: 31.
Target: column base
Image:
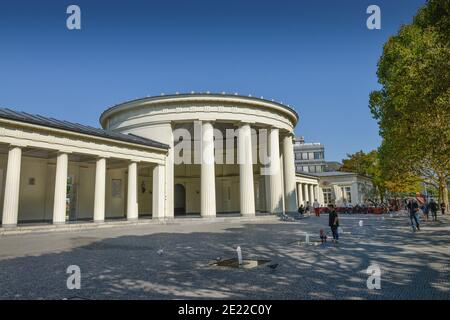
x: 132, y: 219
x: 59, y: 223
x: 99, y: 221
x: 9, y: 226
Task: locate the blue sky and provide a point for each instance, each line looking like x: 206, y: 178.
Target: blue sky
x: 317, y: 56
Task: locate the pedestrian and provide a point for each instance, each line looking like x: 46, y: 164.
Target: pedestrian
x: 316, y: 207
x: 333, y: 222
x: 426, y: 210
x: 307, y: 207
x: 433, y: 208
x: 301, y: 210
x: 413, y: 208
x: 443, y: 208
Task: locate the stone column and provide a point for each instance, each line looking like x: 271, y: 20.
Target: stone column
x: 247, y: 192
x: 354, y: 193
x: 99, y: 196
x: 208, y: 176
x: 158, y: 192
x: 12, y: 186
x: 290, y: 196
x: 132, y: 205
x: 59, y: 203
x: 300, y: 194
x: 316, y: 192
x: 306, y: 192
x: 311, y: 194
x: 275, y: 185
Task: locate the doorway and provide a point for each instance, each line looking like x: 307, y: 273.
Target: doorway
x: 180, y: 200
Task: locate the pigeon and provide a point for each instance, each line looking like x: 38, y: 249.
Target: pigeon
x: 218, y: 258
x: 273, y: 266
x: 361, y: 223
x: 160, y: 251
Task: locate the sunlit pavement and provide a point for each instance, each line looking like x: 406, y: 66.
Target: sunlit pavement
x: 176, y: 261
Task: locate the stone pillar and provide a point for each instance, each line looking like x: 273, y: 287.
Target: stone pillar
x: 306, y: 192
x: 132, y: 205
x: 311, y: 194
x: 275, y: 185
x: 158, y: 192
x: 300, y: 194
x: 208, y: 176
x: 99, y: 196
x: 354, y: 193
x: 12, y: 186
x: 247, y: 192
x: 316, y: 193
x: 290, y: 196
x: 59, y: 203
x: 170, y: 177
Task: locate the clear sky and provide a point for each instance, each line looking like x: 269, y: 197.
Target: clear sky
x: 317, y: 56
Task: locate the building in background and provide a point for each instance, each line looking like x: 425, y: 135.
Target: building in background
x: 309, y: 157
x: 338, y: 188
x: 321, y: 180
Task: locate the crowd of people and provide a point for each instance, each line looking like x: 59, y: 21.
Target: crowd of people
x: 413, y: 205
x: 416, y: 207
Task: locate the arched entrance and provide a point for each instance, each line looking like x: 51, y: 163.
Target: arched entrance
x: 180, y: 200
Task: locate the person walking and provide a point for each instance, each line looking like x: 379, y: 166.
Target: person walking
x: 443, y: 208
x: 333, y: 222
x: 426, y: 210
x: 307, y: 208
x: 316, y: 207
x: 413, y: 208
x: 301, y: 210
x: 433, y: 208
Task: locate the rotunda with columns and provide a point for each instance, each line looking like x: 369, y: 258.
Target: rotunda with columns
x: 225, y: 128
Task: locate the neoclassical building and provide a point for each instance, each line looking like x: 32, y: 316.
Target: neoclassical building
x: 164, y: 157
x: 57, y: 171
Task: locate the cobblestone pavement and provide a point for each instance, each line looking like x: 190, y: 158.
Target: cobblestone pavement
x: 124, y: 263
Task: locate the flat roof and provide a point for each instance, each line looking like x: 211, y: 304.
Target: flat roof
x: 25, y: 117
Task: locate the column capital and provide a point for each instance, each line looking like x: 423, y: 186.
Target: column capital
x: 285, y: 133
x: 17, y: 145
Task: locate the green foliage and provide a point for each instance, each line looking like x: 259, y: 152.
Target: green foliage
x: 413, y: 106
x: 367, y: 164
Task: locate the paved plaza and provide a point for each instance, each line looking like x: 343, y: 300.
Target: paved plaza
x: 176, y: 261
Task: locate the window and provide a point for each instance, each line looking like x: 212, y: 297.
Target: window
x: 305, y: 169
x: 304, y: 155
x: 310, y: 155
x: 347, y: 194
x: 318, y: 155
x: 312, y: 169
x: 298, y: 156
x: 327, y: 196
x: 319, y: 169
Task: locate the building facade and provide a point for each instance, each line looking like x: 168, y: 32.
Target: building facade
x: 309, y: 157
x: 337, y: 188
x: 157, y: 158
x: 56, y: 171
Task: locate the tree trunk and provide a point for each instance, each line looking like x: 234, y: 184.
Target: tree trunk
x: 443, y: 192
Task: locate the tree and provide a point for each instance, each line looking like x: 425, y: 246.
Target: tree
x: 367, y: 165
x: 413, y: 105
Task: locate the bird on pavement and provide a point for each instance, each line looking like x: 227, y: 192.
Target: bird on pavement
x: 273, y: 266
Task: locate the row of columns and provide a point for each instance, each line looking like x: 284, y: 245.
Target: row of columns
x: 307, y: 193
x: 277, y: 202
x: 12, y: 187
